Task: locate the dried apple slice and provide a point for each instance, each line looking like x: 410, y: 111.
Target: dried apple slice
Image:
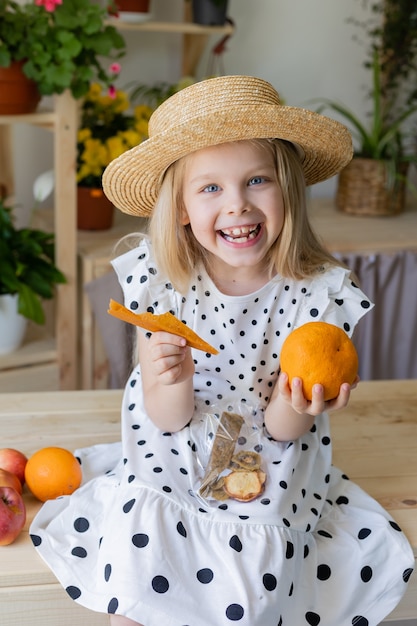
x: 245, y: 485
x: 165, y: 322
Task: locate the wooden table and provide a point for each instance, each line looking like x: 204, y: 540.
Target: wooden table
x: 375, y: 441
x: 364, y: 234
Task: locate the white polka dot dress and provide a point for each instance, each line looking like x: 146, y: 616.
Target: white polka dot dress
x: 137, y: 539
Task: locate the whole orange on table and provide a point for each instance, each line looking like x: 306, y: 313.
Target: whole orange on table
x: 320, y: 353
x: 52, y: 472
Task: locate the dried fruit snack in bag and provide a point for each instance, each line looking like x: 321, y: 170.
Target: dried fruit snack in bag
x: 234, y: 468
x: 164, y: 322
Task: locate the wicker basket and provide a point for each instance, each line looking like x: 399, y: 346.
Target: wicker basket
x: 367, y: 188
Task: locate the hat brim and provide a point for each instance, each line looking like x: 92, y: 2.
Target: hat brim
x: 132, y: 181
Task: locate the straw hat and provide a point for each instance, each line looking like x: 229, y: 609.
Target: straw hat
x: 215, y: 111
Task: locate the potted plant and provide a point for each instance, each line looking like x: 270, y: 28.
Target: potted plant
x: 28, y: 275
x: 210, y: 12
x: 375, y: 181
x: 58, y: 44
x: 108, y: 127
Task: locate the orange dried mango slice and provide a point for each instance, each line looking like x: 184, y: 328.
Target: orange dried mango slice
x: 165, y: 322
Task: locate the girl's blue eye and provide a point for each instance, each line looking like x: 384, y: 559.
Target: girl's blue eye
x: 211, y: 188
x: 256, y: 180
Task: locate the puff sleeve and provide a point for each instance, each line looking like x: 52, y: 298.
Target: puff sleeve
x: 333, y: 297
x: 144, y: 288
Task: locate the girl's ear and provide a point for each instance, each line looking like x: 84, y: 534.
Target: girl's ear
x: 184, y: 217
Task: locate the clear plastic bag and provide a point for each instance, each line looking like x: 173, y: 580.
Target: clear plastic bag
x: 229, y: 451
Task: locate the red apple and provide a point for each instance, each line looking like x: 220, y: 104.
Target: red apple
x: 7, y: 479
x: 13, y: 461
x: 12, y: 515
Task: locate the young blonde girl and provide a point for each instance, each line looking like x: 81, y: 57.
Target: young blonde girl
x: 157, y: 536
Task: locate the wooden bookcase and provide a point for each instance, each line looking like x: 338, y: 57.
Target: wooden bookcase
x: 51, y: 360
x: 48, y: 357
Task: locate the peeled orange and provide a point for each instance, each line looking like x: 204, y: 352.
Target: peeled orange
x: 318, y: 352
x: 52, y: 472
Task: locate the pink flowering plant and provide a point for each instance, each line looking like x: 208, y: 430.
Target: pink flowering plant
x: 62, y: 43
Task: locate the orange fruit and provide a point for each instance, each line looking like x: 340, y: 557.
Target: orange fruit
x: 318, y: 352
x: 52, y: 472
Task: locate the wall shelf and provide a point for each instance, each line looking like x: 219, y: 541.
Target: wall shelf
x: 59, y: 348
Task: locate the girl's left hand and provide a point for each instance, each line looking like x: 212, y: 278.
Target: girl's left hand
x: 295, y: 397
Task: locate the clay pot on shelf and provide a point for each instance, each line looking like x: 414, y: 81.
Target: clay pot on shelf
x: 130, y: 8
x: 18, y: 94
x: 210, y: 12
x: 94, y: 209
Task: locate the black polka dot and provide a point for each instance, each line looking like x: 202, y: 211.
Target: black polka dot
x: 359, y: 620
x: 79, y: 551
x: 366, y: 574
x: 406, y: 574
x: 314, y: 312
x: 36, y: 540
x: 160, y: 584
x: 269, y: 582
x: 128, y: 506
x: 181, y: 529
x: 73, y: 592
x: 395, y: 526
x: 365, y: 304
x: 312, y: 618
x: 205, y: 575
x: 107, y: 572
x: 289, y: 553
x: 235, y: 543
x: 234, y: 612
x: 140, y: 540
x: 113, y: 606
x: 342, y: 500
x: 323, y: 572
x: 364, y: 533
x: 81, y: 524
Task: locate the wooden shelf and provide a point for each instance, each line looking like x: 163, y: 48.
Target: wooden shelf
x: 62, y: 347
x: 183, y: 28
x: 195, y: 36
x: 38, y: 347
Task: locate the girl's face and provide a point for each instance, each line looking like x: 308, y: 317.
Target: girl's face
x: 234, y: 205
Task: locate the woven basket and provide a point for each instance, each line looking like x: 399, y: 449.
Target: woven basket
x: 367, y: 188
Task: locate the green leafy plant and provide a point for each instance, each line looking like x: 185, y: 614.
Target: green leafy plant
x: 385, y: 138
x: 61, y: 43
x: 27, y: 265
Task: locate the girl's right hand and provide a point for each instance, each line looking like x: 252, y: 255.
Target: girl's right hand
x: 169, y: 358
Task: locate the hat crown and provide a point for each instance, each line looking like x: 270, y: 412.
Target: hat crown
x: 216, y: 95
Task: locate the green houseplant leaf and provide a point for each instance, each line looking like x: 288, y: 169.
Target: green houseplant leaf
x: 27, y: 265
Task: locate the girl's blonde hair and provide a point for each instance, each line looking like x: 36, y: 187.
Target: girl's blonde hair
x: 297, y: 252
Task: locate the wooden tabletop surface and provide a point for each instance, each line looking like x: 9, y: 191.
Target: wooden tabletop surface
x: 374, y: 440
x: 364, y: 234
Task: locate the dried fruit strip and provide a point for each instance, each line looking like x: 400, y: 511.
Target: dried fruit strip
x: 165, y: 322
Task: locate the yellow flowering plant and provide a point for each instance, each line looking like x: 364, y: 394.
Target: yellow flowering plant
x: 109, y: 126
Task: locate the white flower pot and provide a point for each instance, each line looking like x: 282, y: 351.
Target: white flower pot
x: 12, y: 325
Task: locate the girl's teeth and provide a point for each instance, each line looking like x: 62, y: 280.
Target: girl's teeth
x: 240, y: 235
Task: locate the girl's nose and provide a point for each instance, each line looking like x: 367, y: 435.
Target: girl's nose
x: 237, y: 201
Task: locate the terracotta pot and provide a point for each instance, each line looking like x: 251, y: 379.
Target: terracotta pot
x: 133, y: 6
x: 18, y: 94
x: 210, y: 12
x: 94, y: 209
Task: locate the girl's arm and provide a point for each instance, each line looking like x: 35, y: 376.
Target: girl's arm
x: 167, y: 370
x: 289, y: 415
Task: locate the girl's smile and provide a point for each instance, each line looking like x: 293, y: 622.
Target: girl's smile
x: 235, y: 209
